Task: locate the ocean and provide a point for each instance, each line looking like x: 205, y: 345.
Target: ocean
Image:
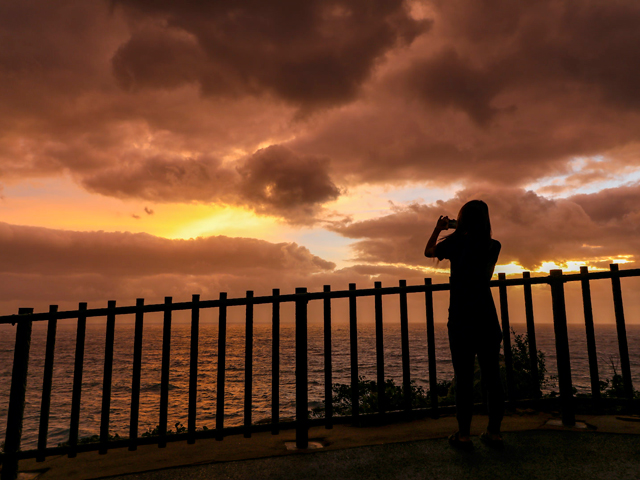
x: 606, y: 340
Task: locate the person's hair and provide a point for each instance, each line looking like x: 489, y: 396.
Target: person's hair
x: 474, y: 223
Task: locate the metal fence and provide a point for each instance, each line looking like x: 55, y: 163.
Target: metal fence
x: 26, y: 317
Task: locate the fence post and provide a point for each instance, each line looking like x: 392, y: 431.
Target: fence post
x: 107, y: 377
x: 379, y: 350
x: 353, y: 341
x: 193, y: 369
x: 164, y: 374
x: 506, y: 336
x: 302, y: 400
x: 591, y: 336
x: 78, y: 367
x: 248, y: 364
x: 562, y: 347
x: 622, y: 332
x: 431, y: 347
x: 531, y: 336
x: 222, y: 346
x: 17, y: 396
x: 404, y: 341
x: 135, y: 377
x: 275, y: 363
x: 47, y: 377
x: 328, y: 368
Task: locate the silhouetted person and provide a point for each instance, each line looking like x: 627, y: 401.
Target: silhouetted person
x: 473, y: 322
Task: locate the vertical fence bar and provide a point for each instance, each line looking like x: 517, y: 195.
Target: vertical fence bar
x: 506, y: 335
x: 382, y: 404
x: 531, y: 336
x: 17, y: 395
x: 353, y: 337
x: 222, y: 348
x: 164, y: 378
x: 591, y: 336
x: 431, y: 347
x: 47, y: 379
x: 404, y: 340
x: 328, y: 371
x: 275, y: 363
x: 302, y: 399
x: 135, y: 377
x: 76, y: 394
x: 106, y: 379
x: 248, y: 365
x: 193, y: 369
x: 625, y: 366
x: 562, y: 347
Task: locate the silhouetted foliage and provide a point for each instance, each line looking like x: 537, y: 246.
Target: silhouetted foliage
x: 151, y: 432
x: 92, y: 439
x: 368, y: 395
x: 155, y: 432
x: 368, y: 391
x: 525, y: 384
x: 614, y: 388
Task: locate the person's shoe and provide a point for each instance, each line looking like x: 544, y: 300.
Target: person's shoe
x: 455, y: 442
x: 490, y: 440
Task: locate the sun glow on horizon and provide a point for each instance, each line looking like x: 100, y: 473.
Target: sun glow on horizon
x: 569, y: 266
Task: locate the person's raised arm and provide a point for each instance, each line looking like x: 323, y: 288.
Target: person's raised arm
x: 430, y: 249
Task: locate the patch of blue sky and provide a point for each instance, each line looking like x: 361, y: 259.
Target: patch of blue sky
x: 325, y: 244
x: 626, y: 177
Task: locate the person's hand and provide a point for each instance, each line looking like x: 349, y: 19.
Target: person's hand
x: 443, y: 223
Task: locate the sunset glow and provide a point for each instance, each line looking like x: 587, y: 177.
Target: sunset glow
x: 318, y: 149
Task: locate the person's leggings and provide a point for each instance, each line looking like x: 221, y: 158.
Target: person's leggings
x: 463, y: 352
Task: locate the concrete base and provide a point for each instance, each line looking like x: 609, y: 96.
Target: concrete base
x: 310, y: 446
x: 556, y: 422
x: 91, y: 465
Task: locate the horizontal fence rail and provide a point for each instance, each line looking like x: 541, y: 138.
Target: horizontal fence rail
x: 25, y: 318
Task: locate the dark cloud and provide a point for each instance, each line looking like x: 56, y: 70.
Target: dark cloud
x: 549, y: 44
x: 532, y: 229
x: 497, y: 92
x: 40, y: 266
x: 611, y: 205
x: 158, y: 56
x: 311, y: 53
x: 165, y: 179
x: 35, y: 250
x: 447, y: 80
x: 276, y: 180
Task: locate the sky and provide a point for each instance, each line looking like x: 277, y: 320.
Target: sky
x: 157, y: 148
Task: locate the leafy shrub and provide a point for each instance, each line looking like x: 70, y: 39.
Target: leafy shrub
x: 151, y: 432
x: 368, y: 390
x: 368, y: 397
x: 155, y: 432
x: 525, y: 384
x: 91, y: 439
x: 614, y: 388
